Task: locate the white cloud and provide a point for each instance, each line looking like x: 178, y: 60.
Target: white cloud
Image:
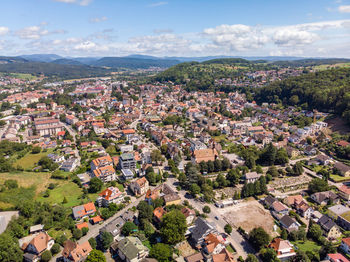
x: 344, y: 9
x: 163, y: 31
x: 98, y: 19
x: 4, y: 30
x: 36, y: 32
x: 158, y: 4
x: 293, y: 37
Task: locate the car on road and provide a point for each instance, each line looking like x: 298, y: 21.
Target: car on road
x: 216, y: 217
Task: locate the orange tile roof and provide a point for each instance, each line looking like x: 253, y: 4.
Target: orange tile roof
x: 128, y: 131
x: 82, y: 225
x: 159, y: 212
x: 97, y: 219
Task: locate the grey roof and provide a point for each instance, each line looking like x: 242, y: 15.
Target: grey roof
x: 114, y: 226
x: 36, y: 228
x: 127, y: 156
x: 287, y: 221
x: 269, y: 200
x: 326, y: 223
x: 339, y: 209
x: 130, y: 247
x: 77, y: 211
x: 201, y: 228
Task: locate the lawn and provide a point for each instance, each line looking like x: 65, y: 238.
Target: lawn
x: 69, y: 190
x: 337, y: 178
x: 29, y: 160
x: 307, y: 245
x: 15, y: 196
x: 27, y: 179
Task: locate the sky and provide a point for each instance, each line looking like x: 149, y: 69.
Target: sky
x: 305, y: 28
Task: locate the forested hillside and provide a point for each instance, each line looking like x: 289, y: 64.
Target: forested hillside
x: 201, y: 76
x: 327, y: 90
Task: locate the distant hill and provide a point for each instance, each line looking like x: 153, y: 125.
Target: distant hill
x: 65, y: 61
x: 311, y: 62
x: 66, y: 71
x: 133, y: 63
x: 41, y: 57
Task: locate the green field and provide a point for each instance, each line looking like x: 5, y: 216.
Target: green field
x: 325, y: 67
x: 307, y: 245
x: 22, y: 76
x: 337, y: 178
x: 30, y: 160
x: 27, y: 179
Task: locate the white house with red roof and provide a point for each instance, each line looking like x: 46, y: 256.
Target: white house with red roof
x: 110, y: 195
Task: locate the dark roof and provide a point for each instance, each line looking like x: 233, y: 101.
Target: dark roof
x: 287, y: 221
x: 326, y: 223
x: 269, y: 200
x: 201, y: 228
x: 341, y: 167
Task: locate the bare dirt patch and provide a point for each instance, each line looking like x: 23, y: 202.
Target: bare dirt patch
x: 248, y: 215
x: 338, y: 125
x: 185, y: 249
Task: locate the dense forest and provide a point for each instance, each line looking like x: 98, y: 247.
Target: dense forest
x: 327, y: 90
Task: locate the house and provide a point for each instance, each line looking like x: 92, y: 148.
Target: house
x: 36, y: 229
x: 172, y: 199
x: 304, y: 209
x: 345, y: 245
x: 114, y: 227
x: 38, y: 244
x: 330, y: 229
x: 105, y: 173
x: 201, y: 230
x: 128, y: 134
x: 101, y: 162
x: 223, y: 256
x: 140, y: 186
x: 48, y: 126
x: 127, y: 174
x: 342, y: 169
x: 337, y: 258
x: 74, y: 252
x: 204, y: 155
x: 323, y: 198
x: 283, y: 248
x: 110, y: 195
x: 323, y: 160
x: 82, y: 225
x: 289, y: 223
x: 279, y: 208
x: 158, y: 214
x: 269, y: 200
x: 292, y: 152
x: 127, y: 161
x: 85, y: 210
x: 70, y: 164
x: 189, y: 214
x: 131, y: 249
x: 344, y: 192
x: 213, y: 244
x: 251, y: 177
x: 197, y: 257
x: 56, y: 158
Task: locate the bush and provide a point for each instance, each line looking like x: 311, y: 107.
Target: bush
x: 36, y: 150
x: 228, y: 229
x: 92, y: 242
x: 206, y: 209
x: 55, y: 249
x: 46, y: 256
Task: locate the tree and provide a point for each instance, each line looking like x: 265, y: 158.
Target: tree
x: 217, y: 165
x: 145, y: 211
x: 298, y: 169
x: 317, y: 185
x: 195, y: 189
x: 259, y: 238
x: 84, y: 230
x: 284, y: 234
x: 314, y: 232
x: 95, y: 185
x: 9, y: 249
x: 55, y: 249
x: 96, y: 256
x: 128, y: 228
x: 206, y: 209
x: 281, y: 156
x: 228, y: 229
x: 92, y: 242
x: 106, y: 240
x: 173, y: 227
x: 65, y: 201
x: 251, y: 258
x: 272, y: 171
x: 77, y: 234
x: 46, y: 256
x: 268, y: 255
x: 36, y: 150
x: 161, y: 252
x: 156, y: 156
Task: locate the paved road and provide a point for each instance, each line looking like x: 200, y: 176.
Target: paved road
x: 242, y: 246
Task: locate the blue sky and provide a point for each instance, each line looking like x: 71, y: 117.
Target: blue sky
x: 317, y: 28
